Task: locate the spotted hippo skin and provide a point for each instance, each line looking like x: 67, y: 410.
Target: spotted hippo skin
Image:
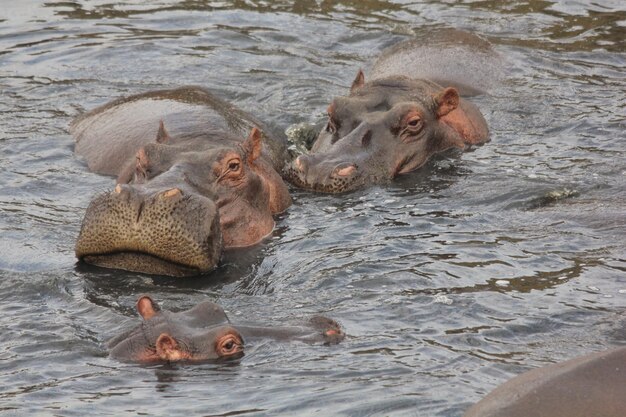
x: 195, y: 175
x: 588, y: 386
x: 395, y: 122
x: 204, y: 333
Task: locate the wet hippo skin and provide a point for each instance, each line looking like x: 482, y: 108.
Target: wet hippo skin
x: 194, y: 174
x: 204, y: 333
x: 588, y: 386
x: 393, y: 123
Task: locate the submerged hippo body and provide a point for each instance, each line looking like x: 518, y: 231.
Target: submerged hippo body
x: 189, y: 181
x: 393, y: 123
x: 590, y: 385
x: 204, y: 333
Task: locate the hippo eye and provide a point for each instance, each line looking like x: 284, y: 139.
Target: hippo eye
x: 234, y: 165
x: 330, y: 126
x: 333, y: 125
x: 141, y: 175
x: 229, y: 345
x: 414, y: 124
x: 230, y: 169
x: 414, y: 121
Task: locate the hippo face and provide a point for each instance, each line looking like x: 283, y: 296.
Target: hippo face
x: 382, y: 129
x: 180, y: 202
x: 202, y: 333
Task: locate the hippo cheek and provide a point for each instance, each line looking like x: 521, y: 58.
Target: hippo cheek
x: 408, y: 161
x: 168, y: 233
x: 279, y: 197
x: 245, y: 211
x: 244, y: 224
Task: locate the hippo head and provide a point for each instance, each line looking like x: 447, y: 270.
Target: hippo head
x: 383, y: 128
x: 180, y: 202
x: 200, y: 334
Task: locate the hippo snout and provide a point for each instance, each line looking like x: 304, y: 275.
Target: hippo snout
x: 166, y: 232
x: 301, y: 163
x: 323, y: 175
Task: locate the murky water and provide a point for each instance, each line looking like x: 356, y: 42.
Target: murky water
x: 448, y: 281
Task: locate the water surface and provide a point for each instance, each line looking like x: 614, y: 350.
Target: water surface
x: 448, y: 281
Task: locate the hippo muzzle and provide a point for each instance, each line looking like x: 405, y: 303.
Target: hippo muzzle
x: 166, y: 233
x: 328, y: 176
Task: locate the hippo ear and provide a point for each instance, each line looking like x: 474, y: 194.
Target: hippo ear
x: 252, y: 145
x: 168, y: 349
x: 147, y: 307
x: 446, y: 101
x: 162, y: 135
x: 359, y: 81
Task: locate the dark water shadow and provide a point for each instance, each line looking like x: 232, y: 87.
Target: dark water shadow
x: 104, y: 287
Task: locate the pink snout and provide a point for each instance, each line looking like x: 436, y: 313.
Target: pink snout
x: 344, y: 170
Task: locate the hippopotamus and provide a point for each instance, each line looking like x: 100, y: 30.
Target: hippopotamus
x: 589, y: 385
x: 195, y: 175
x: 394, y: 122
x: 204, y: 333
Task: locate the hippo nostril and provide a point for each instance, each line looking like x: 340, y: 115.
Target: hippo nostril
x: 301, y: 163
x: 171, y: 193
x: 345, y: 170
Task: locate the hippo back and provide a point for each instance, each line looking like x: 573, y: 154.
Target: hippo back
x: 590, y: 385
x: 449, y: 57
x: 108, y: 136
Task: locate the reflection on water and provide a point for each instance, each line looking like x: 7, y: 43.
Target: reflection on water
x: 448, y: 281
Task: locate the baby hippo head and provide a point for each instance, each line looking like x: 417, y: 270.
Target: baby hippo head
x: 202, y: 333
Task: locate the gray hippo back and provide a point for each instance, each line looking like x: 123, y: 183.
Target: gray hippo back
x: 450, y: 57
x: 588, y: 386
x: 109, y: 135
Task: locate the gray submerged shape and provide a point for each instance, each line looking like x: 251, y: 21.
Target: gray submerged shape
x: 449, y: 281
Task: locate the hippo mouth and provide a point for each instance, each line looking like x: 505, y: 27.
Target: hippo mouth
x: 166, y: 233
x: 141, y: 262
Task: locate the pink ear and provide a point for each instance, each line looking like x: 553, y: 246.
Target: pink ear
x: 162, y: 135
x: 253, y: 145
x: 167, y: 348
x: 446, y: 101
x: 359, y: 81
x: 147, y: 307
